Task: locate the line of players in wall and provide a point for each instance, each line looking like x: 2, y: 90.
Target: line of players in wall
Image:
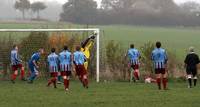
x: 59, y: 65
x: 82, y: 54
x: 160, y: 59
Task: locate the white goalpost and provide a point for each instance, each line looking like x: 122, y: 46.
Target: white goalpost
x: 95, y: 30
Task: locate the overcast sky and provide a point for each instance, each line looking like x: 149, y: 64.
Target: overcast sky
x: 99, y: 1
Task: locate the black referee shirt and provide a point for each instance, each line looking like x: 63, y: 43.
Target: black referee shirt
x: 192, y: 60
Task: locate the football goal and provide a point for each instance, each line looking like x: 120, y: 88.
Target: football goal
x: 95, y: 31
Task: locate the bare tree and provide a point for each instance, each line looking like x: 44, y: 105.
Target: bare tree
x: 22, y: 5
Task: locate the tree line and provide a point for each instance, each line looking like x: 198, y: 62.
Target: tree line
x: 133, y: 12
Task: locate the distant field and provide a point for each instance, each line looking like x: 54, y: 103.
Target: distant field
x: 174, y: 39
x: 114, y: 94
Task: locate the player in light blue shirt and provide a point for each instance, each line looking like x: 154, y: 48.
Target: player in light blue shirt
x: 53, y: 67
x: 65, y: 58
x: 79, y: 59
x: 16, y: 64
x: 159, y: 58
x: 134, y: 56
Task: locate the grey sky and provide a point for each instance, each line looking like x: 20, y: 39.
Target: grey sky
x: 99, y: 1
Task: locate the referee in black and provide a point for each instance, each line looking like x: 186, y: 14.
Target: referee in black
x: 191, y: 62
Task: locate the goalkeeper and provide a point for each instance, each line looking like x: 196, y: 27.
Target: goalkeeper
x: 86, y: 46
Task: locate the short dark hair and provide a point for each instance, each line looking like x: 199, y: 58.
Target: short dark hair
x: 78, y: 48
x: 65, y: 47
x: 53, y: 50
x: 158, y: 44
x: 132, y: 46
x: 14, y: 46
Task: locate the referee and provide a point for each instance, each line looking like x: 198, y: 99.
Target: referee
x: 191, y: 62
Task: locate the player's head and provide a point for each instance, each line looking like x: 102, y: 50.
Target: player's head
x: 191, y: 49
x: 158, y: 44
x: 65, y: 47
x: 132, y: 46
x: 15, y: 47
x: 78, y: 48
x: 53, y: 50
x: 41, y: 50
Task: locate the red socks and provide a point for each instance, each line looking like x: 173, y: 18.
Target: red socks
x: 22, y: 74
x: 136, y: 75
x: 66, y: 83
x: 14, y: 76
x: 158, y: 80
x: 164, y: 81
x: 50, y: 82
x: 85, y: 83
x: 53, y: 80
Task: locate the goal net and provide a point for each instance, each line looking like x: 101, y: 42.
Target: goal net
x: 29, y: 40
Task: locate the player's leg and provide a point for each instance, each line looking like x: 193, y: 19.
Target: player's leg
x: 55, y: 75
x: 50, y: 81
x: 33, y: 75
x: 22, y: 72
x: 86, y: 65
x: 164, y: 79
x: 136, y: 72
x: 158, y: 78
x: 131, y: 73
x: 15, y: 73
x: 67, y: 79
x: 59, y: 78
x: 78, y: 73
x: 84, y: 77
x: 189, y: 78
x: 64, y: 76
x: 195, y: 77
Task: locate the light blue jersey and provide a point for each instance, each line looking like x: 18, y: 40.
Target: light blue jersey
x: 159, y: 58
x: 134, y: 56
x: 65, y: 61
x: 53, y: 62
x: 79, y: 58
x: 15, y: 57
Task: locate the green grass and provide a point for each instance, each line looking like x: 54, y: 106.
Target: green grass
x: 174, y: 39
x: 113, y: 94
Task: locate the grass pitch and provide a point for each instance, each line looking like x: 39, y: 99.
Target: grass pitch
x: 110, y: 94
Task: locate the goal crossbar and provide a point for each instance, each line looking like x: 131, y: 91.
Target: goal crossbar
x: 96, y: 30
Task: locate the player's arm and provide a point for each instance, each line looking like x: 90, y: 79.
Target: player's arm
x: 58, y: 63
x: 35, y: 64
x: 84, y: 43
x: 152, y: 56
x: 166, y: 58
x: 16, y: 56
x: 139, y: 55
x: 186, y: 61
x: 73, y: 59
x: 35, y: 61
x: 85, y: 58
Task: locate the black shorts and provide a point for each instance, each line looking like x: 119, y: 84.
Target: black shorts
x: 160, y: 71
x: 191, y: 71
